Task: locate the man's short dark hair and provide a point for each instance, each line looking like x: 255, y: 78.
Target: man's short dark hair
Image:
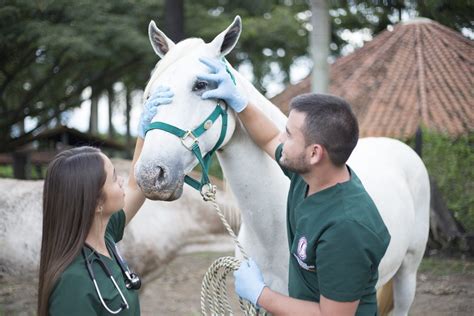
x: 329, y: 122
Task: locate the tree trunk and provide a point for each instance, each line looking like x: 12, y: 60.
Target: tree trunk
x: 174, y: 19
x: 319, y: 43
x: 93, y: 121
x: 128, y: 109
x: 111, y: 96
x: 446, y: 233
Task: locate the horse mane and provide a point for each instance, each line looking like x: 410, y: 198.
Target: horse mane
x: 179, y: 51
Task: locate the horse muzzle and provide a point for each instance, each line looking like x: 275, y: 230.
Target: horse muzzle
x: 159, y: 182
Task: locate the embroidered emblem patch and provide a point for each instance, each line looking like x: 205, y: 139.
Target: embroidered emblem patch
x: 301, y: 251
x: 301, y: 255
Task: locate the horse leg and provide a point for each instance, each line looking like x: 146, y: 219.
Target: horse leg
x: 404, y: 283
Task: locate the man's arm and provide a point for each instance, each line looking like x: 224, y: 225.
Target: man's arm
x: 249, y: 284
x: 134, y: 197
x: 260, y: 128
x: 278, y: 304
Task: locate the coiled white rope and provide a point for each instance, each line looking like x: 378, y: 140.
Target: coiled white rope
x: 214, y: 300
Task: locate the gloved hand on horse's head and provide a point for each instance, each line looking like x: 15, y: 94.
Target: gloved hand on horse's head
x: 226, y: 88
x: 162, y: 95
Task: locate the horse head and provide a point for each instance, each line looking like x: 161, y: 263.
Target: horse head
x: 166, y: 156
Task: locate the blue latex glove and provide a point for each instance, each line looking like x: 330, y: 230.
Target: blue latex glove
x: 162, y: 95
x: 249, y: 282
x: 226, y: 89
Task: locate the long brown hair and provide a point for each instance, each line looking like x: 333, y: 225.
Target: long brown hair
x: 72, y: 191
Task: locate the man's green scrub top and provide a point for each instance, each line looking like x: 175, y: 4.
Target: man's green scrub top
x: 336, y: 239
x: 75, y: 294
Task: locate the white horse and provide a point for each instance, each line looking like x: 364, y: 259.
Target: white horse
x: 392, y: 173
x: 151, y: 240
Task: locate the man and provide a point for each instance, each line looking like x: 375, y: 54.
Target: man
x: 336, y: 236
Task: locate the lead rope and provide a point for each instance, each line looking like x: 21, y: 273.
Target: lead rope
x: 214, y: 300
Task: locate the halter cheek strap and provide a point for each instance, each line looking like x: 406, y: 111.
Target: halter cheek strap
x: 189, y: 139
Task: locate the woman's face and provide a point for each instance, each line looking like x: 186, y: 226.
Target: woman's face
x: 114, y: 194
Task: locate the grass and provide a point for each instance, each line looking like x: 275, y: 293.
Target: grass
x: 446, y: 266
x: 7, y: 172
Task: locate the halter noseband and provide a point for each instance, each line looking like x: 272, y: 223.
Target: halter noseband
x: 189, y: 139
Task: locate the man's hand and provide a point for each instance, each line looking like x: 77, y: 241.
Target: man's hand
x: 249, y: 282
x: 162, y: 95
x: 226, y: 88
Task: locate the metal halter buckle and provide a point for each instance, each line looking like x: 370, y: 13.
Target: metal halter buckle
x: 208, y: 191
x: 194, y: 140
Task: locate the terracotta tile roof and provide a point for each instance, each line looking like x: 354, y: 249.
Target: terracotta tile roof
x: 421, y: 72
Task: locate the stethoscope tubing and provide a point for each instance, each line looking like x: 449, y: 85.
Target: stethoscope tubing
x: 106, y: 269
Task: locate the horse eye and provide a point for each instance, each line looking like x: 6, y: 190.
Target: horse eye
x: 199, y: 85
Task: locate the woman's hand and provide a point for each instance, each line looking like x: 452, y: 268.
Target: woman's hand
x: 162, y: 95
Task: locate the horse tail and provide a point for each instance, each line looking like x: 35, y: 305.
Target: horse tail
x: 385, y: 298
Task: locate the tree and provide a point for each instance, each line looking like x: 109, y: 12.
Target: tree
x: 174, y: 19
x: 52, y: 51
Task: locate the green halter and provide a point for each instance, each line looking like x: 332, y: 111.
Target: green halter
x: 189, y: 139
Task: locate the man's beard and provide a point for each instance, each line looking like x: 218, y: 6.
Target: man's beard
x: 297, y: 165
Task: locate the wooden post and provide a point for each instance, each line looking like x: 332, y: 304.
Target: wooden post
x: 21, y: 165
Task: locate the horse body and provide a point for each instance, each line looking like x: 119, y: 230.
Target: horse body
x: 392, y: 173
x: 151, y: 240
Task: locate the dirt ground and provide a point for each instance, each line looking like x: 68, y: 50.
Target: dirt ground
x: 445, y: 287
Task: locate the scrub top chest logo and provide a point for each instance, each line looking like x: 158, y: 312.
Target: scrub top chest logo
x: 301, y: 255
x: 301, y: 251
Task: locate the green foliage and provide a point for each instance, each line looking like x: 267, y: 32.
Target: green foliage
x: 52, y: 50
x: 375, y: 16
x: 456, y: 14
x: 450, y: 162
x: 272, y: 31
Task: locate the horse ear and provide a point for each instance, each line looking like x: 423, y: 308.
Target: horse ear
x: 159, y: 41
x: 226, y: 41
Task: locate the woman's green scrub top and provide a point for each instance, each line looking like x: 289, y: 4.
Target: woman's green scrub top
x: 74, y: 292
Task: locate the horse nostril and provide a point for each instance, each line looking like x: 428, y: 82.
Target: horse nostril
x: 160, y: 176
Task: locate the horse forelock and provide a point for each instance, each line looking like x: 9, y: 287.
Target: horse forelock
x: 179, y: 51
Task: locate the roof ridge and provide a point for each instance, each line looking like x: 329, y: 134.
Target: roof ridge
x: 422, y: 107
x: 417, y: 20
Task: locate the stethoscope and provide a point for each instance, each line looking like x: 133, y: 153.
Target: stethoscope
x: 132, y: 281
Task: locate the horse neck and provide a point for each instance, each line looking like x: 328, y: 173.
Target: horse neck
x: 256, y: 180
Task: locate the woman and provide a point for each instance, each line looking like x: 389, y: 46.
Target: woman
x: 85, y: 211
